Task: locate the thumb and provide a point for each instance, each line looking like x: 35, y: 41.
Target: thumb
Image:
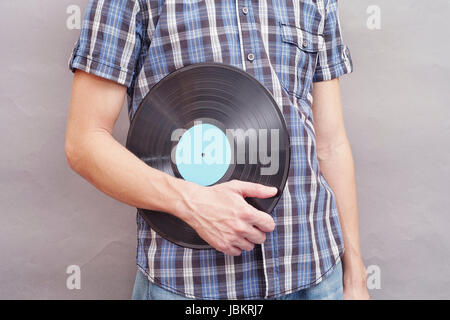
x: 255, y: 190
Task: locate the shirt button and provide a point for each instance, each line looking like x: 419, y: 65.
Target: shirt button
x: 245, y: 10
x: 251, y: 57
x: 305, y: 43
x: 345, y: 53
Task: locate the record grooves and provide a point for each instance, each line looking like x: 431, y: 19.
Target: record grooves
x: 209, y: 123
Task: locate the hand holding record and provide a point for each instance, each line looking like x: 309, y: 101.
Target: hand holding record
x: 220, y: 130
x: 222, y: 217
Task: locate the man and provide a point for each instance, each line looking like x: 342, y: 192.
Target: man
x: 294, y: 48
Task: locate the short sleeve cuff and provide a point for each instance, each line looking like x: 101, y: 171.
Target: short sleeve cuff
x: 101, y: 69
x: 336, y: 69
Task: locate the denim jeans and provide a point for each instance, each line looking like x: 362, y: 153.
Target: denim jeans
x: 329, y: 288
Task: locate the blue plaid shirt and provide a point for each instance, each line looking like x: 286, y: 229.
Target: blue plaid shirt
x: 286, y: 45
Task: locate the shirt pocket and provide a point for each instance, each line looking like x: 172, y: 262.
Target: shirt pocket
x: 299, y: 53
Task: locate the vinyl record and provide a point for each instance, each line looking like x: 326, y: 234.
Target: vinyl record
x: 210, y: 123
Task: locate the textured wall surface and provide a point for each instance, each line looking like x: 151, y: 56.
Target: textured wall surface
x: 397, y: 115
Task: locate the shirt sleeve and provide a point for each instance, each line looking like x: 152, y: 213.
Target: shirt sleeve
x: 334, y: 59
x: 110, y: 40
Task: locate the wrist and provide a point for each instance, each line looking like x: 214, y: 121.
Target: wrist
x: 352, y: 254
x: 184, y: 191
x: 352, y: 261
x: 354, y: 270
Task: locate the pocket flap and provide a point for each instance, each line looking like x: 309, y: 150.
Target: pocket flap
x: 305, y: 40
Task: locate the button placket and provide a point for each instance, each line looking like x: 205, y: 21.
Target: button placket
x: 249, y: 52
x: 241, y: 43
x: 244, y: 23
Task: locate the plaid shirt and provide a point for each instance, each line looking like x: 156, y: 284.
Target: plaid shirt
x: 286, y: 45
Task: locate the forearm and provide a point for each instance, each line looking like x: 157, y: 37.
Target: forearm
x: 336, y: 164
x: 338, y: 169
x: 110, y: 167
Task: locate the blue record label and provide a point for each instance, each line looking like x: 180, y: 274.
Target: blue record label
x: 203, y: 154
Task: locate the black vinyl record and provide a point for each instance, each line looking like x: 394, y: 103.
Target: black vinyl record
x: 210, y: 96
